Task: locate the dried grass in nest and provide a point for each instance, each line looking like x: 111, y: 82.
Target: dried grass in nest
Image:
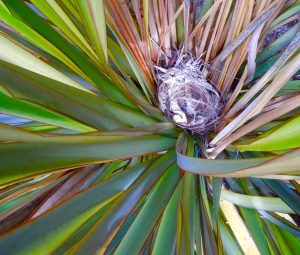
x: 185, y: 95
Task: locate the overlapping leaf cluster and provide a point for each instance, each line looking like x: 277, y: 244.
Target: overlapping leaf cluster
x: 90, y: 164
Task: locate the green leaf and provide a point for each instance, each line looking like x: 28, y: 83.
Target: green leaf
x: 198, y: 226
x: 256, y: 202
x: 207, y: 4
x: 149, y: 214
x: 16, y: 55
x: 118, y: 57
x: 12, y: 204
x: 10, y: 133
x: 86, y: 107
x: 294, y: 9
x: 103, y: 232
x: 22, y: 11
x: 215, y: 167
x: 187, y: 207
x: 262, y: 68
x: 93, y: 17
x: 56, y: 14
x: 138, y: 73
x: 281, y: 137
x: 255, y: 227
x: 69, y: 6
x: 216, y: 188
x: 285, y: 163
x: 186, y: 238
x: 34, y: 37
x: 253, y: 219
x: 54, y: 153
x: 48, y: 232
x: 285, y: 193
x: 292, y: 85
x: 208, y: 237
x: 29, y: 110
x: 282, y: 223
x: 231, y: 246
x: 165, y: 239
x: 287, y: 243
x: 278, y: 45
x: 16, y: 214
x: 123, y: 229
x: 82, y: 230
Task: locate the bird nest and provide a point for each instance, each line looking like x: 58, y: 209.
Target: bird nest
x: 186, y: 97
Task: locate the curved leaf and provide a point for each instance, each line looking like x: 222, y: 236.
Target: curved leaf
x: 256, y: 202
x: 284, y: 136
x: 285, y: 163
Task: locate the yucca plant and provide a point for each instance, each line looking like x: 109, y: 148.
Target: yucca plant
x: 149, y: 127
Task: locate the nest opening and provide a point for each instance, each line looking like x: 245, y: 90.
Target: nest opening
x: 186, y: 97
